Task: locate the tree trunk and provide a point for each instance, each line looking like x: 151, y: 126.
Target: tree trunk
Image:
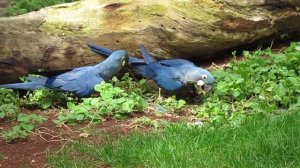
x: 55, y: 38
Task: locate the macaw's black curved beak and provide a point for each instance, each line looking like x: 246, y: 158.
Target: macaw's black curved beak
x: 203, y: 88
x: 207, y: 88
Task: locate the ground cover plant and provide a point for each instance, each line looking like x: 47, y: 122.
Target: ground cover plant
x: 250, y: 119
x: 19, y: 7
x: 270, y: 142
x: 264, y: 82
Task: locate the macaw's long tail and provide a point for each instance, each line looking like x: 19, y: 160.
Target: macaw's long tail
x: 100, y: 50
x: 36, y: 83
x: 147, y: 57
x: 106, y: 52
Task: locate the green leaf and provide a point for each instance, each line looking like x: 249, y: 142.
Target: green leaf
x: 79, y: 117
x: 128, y: 106
x: 27, y: 126
x: 23, y: 118
x: 46, y: 104
x: 70, y: 105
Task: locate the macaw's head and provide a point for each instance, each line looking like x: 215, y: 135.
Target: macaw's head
x: 118, y: 58
x: 113, y: 64
x: 201, y: 78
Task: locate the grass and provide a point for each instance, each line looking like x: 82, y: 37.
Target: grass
x: 19, y: 7
x: 270, y: 142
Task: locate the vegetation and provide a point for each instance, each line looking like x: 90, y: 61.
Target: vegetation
x: 19, y: 7
x: 26, y: 123
x: 263, y: 83
x: 112, y: 101
x: 270, y: 142
x: 9, y: 104
x: 45, y: 98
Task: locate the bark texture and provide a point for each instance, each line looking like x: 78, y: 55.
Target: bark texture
x: 55, y: 38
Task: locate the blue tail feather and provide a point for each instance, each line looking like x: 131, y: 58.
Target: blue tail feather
x: 24, y: 86
x: 100, y: 50
x: 106, y: 52
x: 146, y: 55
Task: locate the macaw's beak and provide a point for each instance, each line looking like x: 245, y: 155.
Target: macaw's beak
x: 203, y: 88
x: 207, y: 88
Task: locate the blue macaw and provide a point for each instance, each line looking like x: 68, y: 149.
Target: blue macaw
x: 171, y: 75
x: 79, y: 81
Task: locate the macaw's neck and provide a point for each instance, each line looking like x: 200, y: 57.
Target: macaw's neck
x: 108, y: 68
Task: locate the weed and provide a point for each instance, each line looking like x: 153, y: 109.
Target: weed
x: 9, y: 103
x: 45, y: 98
x: 113, y: 101
x: 26, y: 124
x: 169, y: 104
x: 19, y: 7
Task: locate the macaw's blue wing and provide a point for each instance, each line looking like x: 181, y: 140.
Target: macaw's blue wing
x: 80, y: 81
x: 176, y: 62
x: 164, y: 77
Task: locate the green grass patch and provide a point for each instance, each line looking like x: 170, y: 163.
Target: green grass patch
x: 270, y: 142
x: 19, y: 7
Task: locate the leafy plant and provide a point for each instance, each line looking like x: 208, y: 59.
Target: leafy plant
x: 264, y: 82
x: 45, y: 98
x: 112, y: 101
x: 24, y: 6
x: 169, y: 104
x: 141, y: 87
x: 9, y: 103
x: 27, y: 123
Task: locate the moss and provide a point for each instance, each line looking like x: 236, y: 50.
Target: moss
x: 199, y: 9
x: 150, y: 10
x: 76, y: 18
x: 61, y: 27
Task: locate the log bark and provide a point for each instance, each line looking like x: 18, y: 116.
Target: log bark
x: 55, y: 38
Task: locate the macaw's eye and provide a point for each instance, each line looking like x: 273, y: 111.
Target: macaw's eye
x: 204, y: 76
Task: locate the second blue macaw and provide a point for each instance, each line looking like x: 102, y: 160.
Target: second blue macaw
x: 172, y: 75
x: 79, y: 81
